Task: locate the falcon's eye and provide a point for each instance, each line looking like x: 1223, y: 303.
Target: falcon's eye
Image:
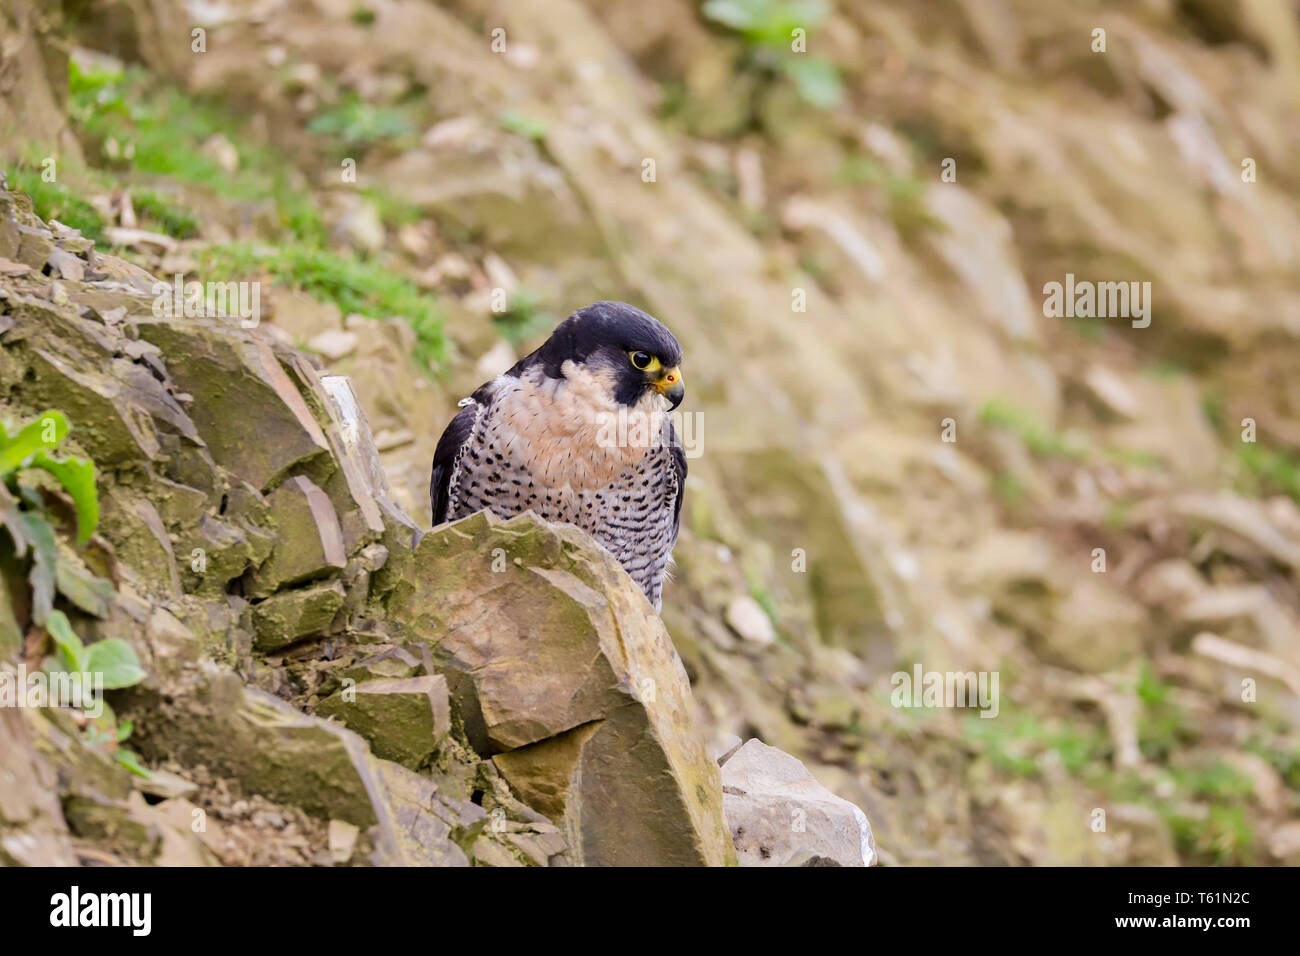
x: 642, y: 360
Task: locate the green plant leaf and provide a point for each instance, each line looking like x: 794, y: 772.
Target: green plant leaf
x: 817, y: 80
x: 124, y: 730
x: 521, y: 124
x: 129, y: 760
x: 115, y: 659
x: 77, y: 476
x: 11, y: 520
x: 766, y: 22
x: 66, y: 640
x: 42, y: 576
x: 45, y: 431
x: 89, y: 593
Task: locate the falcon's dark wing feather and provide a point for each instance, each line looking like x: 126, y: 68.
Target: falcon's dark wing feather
x: 449, y: 445
x: 679, y: 466
x: 456, y: 434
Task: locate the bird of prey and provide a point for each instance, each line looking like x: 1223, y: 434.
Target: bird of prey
x: 578, y: 432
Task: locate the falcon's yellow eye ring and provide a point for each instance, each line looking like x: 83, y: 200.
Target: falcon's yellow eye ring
x: 643, y: 360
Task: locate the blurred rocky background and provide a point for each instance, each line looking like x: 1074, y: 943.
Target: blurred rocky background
x: 847, y: 213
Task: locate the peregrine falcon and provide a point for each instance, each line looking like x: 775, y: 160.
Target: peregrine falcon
x: 578, y: 432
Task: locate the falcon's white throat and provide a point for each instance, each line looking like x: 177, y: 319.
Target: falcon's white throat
x: 563, y: 425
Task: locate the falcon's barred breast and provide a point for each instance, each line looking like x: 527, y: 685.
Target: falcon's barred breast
x: 578, y: 432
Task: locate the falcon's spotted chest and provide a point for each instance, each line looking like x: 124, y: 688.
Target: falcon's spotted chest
x: 577, y: 432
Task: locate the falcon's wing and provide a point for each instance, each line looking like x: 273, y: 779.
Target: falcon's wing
x: 449, y: 445
x: 679, y: 467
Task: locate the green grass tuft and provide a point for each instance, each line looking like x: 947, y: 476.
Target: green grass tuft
x: 161, y: 132
x: 1037, y: 438
x: 1270, y: 470
x: 1223, y: 837
x: 353, y: 284
x: 1162, y: 726
x: 54, y: 201
x: 1015, y: 743
x: 168, y: 217
x: 354, y: 122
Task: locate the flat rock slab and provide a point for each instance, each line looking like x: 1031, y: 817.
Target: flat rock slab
x: 308, y: 541
x: 234, y: 377
x: 292, y: 615
x: 404, y: 719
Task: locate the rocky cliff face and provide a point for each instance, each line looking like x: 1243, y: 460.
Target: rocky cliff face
x: 903, y: 460
x: 534, y: 711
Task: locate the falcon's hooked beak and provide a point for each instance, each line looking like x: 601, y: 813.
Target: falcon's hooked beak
x: 670, y: 386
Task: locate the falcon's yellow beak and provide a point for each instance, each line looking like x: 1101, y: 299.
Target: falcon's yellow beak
x: 669, y: 385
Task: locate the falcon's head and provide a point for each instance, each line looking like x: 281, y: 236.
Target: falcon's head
x: 631, y: 352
